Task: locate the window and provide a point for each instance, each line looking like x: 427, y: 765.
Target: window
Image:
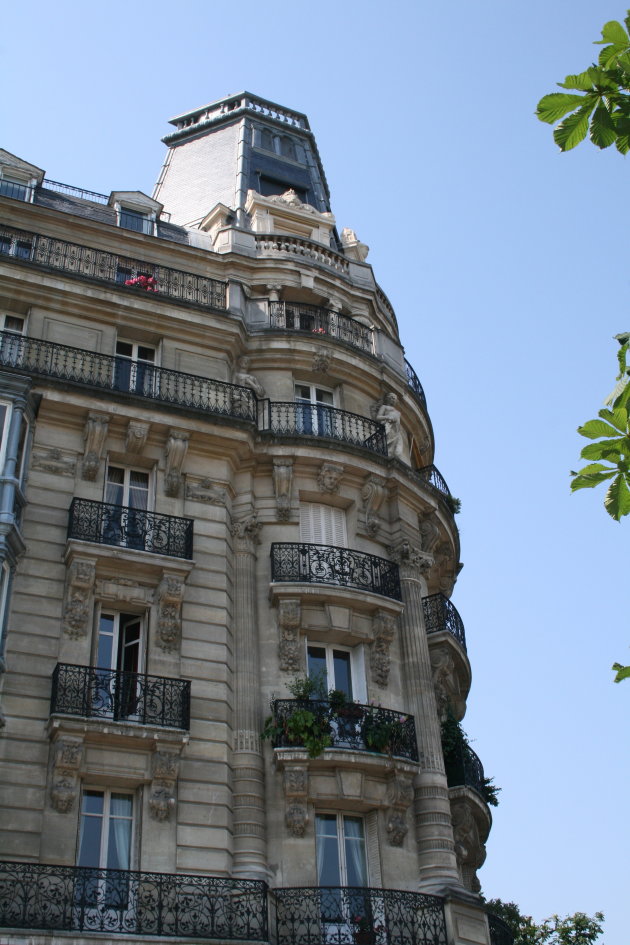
x: 342, y: 862
x: 287, y: 148
x: 341, y: 668
x: 313, y: 414
x: 11, y: 344
x: 134, y: 369
x: 323, y: 524
x: 12, y: 245
x: 138, y: 222
x: 115, y: 687
x: 5, y: 420
x: 14, y: 188
x: 127, y: 496
x: 105, y: 837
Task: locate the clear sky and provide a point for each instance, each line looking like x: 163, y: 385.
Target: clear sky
x: 506, y: 262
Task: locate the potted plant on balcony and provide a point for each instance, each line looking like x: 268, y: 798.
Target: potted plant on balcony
x: 383, y: 732
x: 308, y: 723
x: 364, y: 932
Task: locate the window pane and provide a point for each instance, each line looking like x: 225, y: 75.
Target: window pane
x: 146, y: 354
x: 10, y: 188
x: 12, y: 323
x: 316, y: 659
x: 356, y: 866
x: 124, y: 349
x: 328, y: 867
x: 343, y: 677
x: 105, y: 642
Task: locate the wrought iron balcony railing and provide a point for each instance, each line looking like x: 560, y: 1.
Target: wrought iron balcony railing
x: 433, y: 476
x: 123, y: 697
x: 500, y: 931
x: 355, y: 915
x: 320, y: 420
x: 122, y: 272
x: 108, y: 524
x: 299, y: 316
x: 464, y: 768
x: 354, y: 727
x: 414, y: 383
x: 35, y: 896
x: 441, y: 614
x: 328, y: 564
x: 107, y: 372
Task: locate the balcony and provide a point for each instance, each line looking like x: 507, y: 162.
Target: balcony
x: 97, y: 265
x: 106, y: 372
x: 328, y: 564
x: 319, y: 420
x: 95, y: 693
x: 35, y: 896
x: 353, y: 727
x: 125, y: 527
x: 304, y: 250
x: 310, y: 319
x: 464, y: 768
x: 500, y: 931
x: 415, y: 386
x: 434, y: 478
x: 441, y: 614
x: 337, y: 915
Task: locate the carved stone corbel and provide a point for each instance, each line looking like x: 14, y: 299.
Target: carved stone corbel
x: 445, y: 683
x: 296, y: 793
x: 321, y: 360
x: 169, y: 596
x: 136, y: 437
x: 429, y: 531
x: 64, y: 788
x: 95, y: 432
x: 289, y: 618
x: 165, y: 769
x: 176, y: 449
x: 446, y: 568
x: 246, y: 534
x: 399, y: 798
x: 372, y: 495
x: 329, y: 477
x: 77, y: 608
x: 282, y: 482
x: 384, y: 625
x: 469, y: 848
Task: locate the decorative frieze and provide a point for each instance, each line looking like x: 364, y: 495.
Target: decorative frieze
x: 165, y: 769
x: 169, y: 597
x: 175, y: 453
x: 282, y: 482
x: 384, y: 628
x: 56, y: 461
x: 94, y: 435
x: 77, y: 609
x: 289, y: 617
x: 329, y: 477
x: 206, y: 491
x: 64, y: 788
x: 372, y: 495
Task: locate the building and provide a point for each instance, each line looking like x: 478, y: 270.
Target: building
x: 219, y: 504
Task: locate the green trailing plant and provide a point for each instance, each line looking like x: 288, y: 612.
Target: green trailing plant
x: 308, y: 725
x: 455, y: 505
x: 490, y: 792
x: 381, y: 732
x: 455, y: 744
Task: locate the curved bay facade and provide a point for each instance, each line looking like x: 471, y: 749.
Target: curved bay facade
x: 229, y: 648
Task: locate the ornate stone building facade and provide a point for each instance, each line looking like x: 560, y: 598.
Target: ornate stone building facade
x: 220, y: 517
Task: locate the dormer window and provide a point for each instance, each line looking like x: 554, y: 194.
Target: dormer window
x: 18, y: 178
x: 138, y: 222
x: 15, y: 189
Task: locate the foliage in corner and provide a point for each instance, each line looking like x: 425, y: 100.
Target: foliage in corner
x: 577, y: 929
x: 597, y: 101
x: 454, y: 742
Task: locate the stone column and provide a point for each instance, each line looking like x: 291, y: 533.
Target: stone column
x: 250, y: 859
x: 434, y: 832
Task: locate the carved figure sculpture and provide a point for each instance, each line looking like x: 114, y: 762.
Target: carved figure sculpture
x: 243, y: 378
x: 389, y: 415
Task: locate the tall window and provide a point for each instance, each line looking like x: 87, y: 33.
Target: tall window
x: 341, y: 862
x: 313, y: 410
x: 128, y: 491
x: 11, y: 344
x: 134, y: 370
x: 105, y: 843
x: 323, y: 524
x: 116, y: 689
x: 333, y: 666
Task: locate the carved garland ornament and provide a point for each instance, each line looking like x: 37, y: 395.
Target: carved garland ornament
x: 162, y: 797
x: 64, y: 788
x: 384, y: 626
x: 289, y: 615
x: 77, y: 606
x: 94, y: 435
x: 282, y: 481
x: 169, y: 595
x: 296, y: 792
x: 399, y: 798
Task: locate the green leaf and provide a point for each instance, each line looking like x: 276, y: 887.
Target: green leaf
x: 589, y: 482
x: 618, y: 418
x: 623, y: 143
x: 623, y: 672
x: 623, y: 62
x: 610, y: 450
x: 603, y: 132
x: 593, y: 468
x: 554, y: 106
x: 596, y: 428
x: 583, y: 82
x: 613, y: 32
x: 573, y: 129
x: 609, y: 57
x: 617, y: 501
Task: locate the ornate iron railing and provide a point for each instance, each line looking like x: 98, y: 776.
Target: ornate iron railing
x: 35, y: 896
x: 464, y: 768
x: 500, y: 931
x: 299, y: 316
x: 441, y: 614
x: 108, y: 524
x: 414, y: 383
x: 272, y: 244
x: 433, y: 476
x: 354, y: 915
x: 107, y: 372
x: 320, y: 420
x: 329, y: 564
x: 117, y: 271
x: 73, y: 191
x: 354, y: 727
x: 124, y: 697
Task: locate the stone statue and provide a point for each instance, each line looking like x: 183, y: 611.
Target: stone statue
x: 243, y: 378
x: 389, y: 415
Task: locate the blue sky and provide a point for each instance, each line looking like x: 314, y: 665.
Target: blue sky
x: 507, y: 266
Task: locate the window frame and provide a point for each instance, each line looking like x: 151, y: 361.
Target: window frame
x: 358, y: 681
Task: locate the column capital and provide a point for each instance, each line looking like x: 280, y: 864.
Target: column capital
x: 412, y: 561
x: 246, y: 534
